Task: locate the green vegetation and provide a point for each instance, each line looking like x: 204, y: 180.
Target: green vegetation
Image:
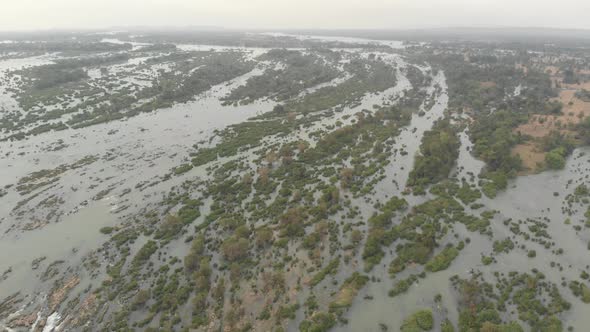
x: 447, y: 326
x: 583, y: 95
x: 438, y: 153
x: 331, y: 268
x: 493, y: 140
x: 419, y: 321
x: 402, y: 286
x: 482, y: 307
x: 107, y: 230
x: 378, y: 234
x: 319, y: 322
x: 301, y: 71
x: 555, y: 159
x: 182, y: 169
x: 579, y: 289
x: 443, y: 260
x: 291, y: 205
x: 348, y: 291
x: 505, y: 245
x: 64, y: 93
x: 45, y: 177
x: 558, y: 147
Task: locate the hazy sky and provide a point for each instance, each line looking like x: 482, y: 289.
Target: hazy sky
x: 269, y: 14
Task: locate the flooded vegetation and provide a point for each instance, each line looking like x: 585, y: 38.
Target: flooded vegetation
x: 227, y: 181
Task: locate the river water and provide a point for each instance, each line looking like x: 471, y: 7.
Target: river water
x: 144, y: 147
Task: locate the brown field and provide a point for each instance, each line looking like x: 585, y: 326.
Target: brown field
x: 487, y: 84
x: 583, y: 85
x: 574, y: 111
x: 539, y: 125
x: 530, y: 155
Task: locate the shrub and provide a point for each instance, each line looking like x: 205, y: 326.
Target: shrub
x: 443, y: 260
x: 419, y: 321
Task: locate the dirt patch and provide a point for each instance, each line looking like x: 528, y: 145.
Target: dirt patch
x: 573, y: 112
x: 580, y: 86
x: 531, y: 157
x: 541, y: 125
x: 538, y: 126
x: 556, y: 76
x: 487, y: 84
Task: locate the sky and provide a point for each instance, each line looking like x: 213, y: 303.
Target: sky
x: 292, y: 14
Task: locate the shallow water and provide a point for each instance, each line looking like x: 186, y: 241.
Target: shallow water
x: 143, y: 148
x: 527, y: 197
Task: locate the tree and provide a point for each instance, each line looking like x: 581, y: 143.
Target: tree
x: 356, y: 236
x: 263, y: 173
x: 264, y: 236
x: 247, y: 179
x: 346, y: 175
x: 302, y: 146
x: 171, y: 226
x: 584, y: 128
x: 292, y: 223
x: 569, y: 76
x: 438, y: 152
x: 273, y: 281
x: 278, y: 108
x: 555, y: 159
x: 141, y: 298
x: 271, y: 158
x: 235, y: 249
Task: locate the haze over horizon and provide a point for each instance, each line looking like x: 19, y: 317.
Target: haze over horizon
x: 288, y: 14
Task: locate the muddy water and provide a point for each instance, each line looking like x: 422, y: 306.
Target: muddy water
x: 144, y: 147
x: 409, y: 140
x: 468, y: 167
x: 149, y: 145
x: 366, y: 103
x: 527, y: 197
x: 533, y: 196
x: 69, y: 240
x: 366, y: 315
x: 7, y: 103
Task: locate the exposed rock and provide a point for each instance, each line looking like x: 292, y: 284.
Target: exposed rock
x: 25, y: 320
x: 59, y: 294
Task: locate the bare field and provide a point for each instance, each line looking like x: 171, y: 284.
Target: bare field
x: 530, y: 155
x: 574, y: 111
x: 487, y: 84
x: 540, y: 125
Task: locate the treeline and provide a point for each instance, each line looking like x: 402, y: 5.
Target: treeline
x: 499, y: 93
x: 66, y: 71
x: 438, y: 152
x: 301, y: 71
x: 493, y: 139
x: 63, y: 47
